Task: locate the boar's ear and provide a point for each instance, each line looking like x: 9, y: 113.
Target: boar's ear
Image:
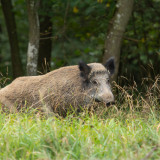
x: 110, y: 65
x: 85, y: 69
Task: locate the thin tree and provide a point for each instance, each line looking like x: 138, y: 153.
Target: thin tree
x: 34, y: 32
x: 13, y: 40
x: 116, y: 31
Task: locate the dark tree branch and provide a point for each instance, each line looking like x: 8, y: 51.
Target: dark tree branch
x: 13, y: 40
x: 45, y: 45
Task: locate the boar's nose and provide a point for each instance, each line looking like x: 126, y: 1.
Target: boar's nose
x: 105, y: 97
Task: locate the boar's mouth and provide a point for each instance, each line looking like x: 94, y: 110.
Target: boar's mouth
x: 107, y: 104
x: 110, y: 103
x: 97, y: 100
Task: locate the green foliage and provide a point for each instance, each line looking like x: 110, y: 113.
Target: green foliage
x: 79, y: 31
x: 20, y: 11
x: 140, y: 53
x: 22, y: 30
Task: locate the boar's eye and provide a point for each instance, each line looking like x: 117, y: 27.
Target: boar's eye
x: 108, y: 81
x: 94, y: 82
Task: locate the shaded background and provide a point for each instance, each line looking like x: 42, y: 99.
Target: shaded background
x: 75, y: 30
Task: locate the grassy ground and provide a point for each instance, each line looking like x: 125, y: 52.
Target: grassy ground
x: 130, y: 130
x: 120, y: 136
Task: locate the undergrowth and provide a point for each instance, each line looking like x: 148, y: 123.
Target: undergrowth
x: 87, y: 136
x: 128, y: 130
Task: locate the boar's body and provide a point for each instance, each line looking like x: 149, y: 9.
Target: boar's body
x: 53, y: 89
x: 56, y: 90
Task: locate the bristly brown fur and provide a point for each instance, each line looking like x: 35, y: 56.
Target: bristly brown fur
x: 97, y: 72
x: 54, y: 91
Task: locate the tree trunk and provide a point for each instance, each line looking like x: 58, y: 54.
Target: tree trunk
x: 45, y: 45
x: 115, y: 33
x: 33, y: 46
x: 13, y: 40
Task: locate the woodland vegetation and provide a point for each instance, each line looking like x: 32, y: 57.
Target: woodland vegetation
x: 65, y: 32
x: 37, y: 36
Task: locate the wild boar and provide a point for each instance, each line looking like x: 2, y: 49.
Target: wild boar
x: 71, y: 86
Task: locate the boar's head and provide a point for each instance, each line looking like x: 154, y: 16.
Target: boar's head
x: 96, y: 80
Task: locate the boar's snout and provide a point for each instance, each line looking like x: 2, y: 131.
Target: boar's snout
x: 106, y: 98
x: 110, y: 101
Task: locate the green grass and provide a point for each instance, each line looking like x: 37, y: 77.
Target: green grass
x: 128, y: 131
x: 118, y: 135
